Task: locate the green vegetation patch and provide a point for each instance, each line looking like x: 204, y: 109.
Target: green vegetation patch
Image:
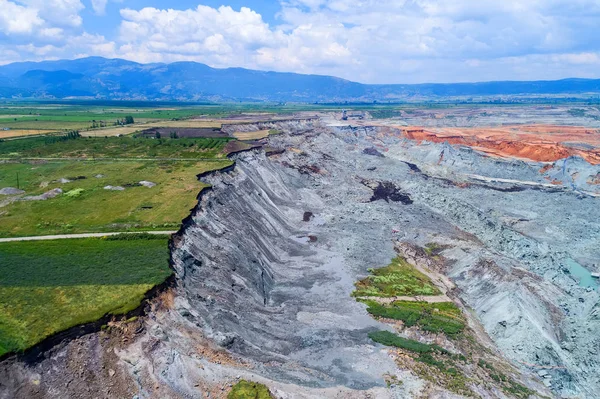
x: 390, y: 339
x: 249, y: 390
x: 92, y: 114
x: 400, y: 278
x: 70, y: 146
x: 385, y: 113
x: 87, y: 206
x: 444, y: 317
x: 509, y: 386
x: 76, y: 192
x: 50, y: 286
x: 431, y: 357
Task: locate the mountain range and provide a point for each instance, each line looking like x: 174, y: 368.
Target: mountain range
x: 117, y: 79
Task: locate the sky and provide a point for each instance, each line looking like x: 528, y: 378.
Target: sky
x: 369, y: 41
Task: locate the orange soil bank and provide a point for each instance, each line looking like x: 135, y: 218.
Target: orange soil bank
x: 545, y: 143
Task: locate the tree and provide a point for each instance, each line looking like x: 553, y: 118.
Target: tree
x: 173, y: 134
x: 129, y: 120
x: 157, y: 134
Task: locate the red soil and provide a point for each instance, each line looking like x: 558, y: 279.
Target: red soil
x: 545, y: 143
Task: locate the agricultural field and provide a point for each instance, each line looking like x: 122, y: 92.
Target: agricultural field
x: 113, y: 147
x: 7, y: 134
x: 97, y: 120
x: 50, y: 286
x: 85, y: 205
x: 137, y: 127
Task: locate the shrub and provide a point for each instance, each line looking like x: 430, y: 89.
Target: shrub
x: 135, y: 236
x: 249, y: 390
x: 75, y: 192
x: 390, y: 339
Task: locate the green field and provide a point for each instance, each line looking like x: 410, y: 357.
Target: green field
x: 49, y: 286
x: 113, y: 147
x: 85, y: 206
x: 72, y: 116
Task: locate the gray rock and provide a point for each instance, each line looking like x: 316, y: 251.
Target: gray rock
x: 11, y: 191
x: 47, y: 195
x: 114, y: 188
x: 148, y: 184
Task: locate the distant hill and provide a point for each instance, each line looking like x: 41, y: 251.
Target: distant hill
x: 117, y: 79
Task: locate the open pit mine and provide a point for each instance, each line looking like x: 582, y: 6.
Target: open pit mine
x: 367, y: 259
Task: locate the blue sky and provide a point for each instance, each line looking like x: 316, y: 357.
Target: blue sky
x: 373, y: 41
x: 107, y: 24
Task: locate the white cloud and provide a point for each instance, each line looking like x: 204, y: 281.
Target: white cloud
x: 47, y: 29
x: 16, y: 19
x: 377, y: 41
x: 57, y: 12
x: 99, y: 6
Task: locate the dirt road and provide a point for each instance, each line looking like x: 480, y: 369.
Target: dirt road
x: 83, y: 235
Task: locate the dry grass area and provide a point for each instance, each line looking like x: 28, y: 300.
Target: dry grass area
x: 113, y: 131
x: 256, y: 135
x: 5, y: 134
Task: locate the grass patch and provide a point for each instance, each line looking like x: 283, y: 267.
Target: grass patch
x: 517, y: 390
x: 390, y: 339
x: 114, y: 147
x: 385, y: 113
x: 50, y: 286
x: 76, y: 192
x: 431, y: 357
x: 249, y: 390
x: 509, y: 386
x: 136, y: 237
x: 400, y: 278
x: 432, y: 249
x: 443, y: 317
x: 86, y: 207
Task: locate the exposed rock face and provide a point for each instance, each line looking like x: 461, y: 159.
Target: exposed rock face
x: 373, y: 151
x: 537, y: 143
x: 261, y: 290
x: 295, y: 125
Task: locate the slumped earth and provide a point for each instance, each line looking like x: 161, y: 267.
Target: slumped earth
x: 487, y: 290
